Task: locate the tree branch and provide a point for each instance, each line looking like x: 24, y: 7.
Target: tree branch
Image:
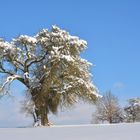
x: 37, y: 60
x: 9, y: 80
x: 4, y: 71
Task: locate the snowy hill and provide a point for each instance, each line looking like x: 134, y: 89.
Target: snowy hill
x: 74, y: 132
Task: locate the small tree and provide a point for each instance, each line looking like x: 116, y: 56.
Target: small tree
x: 50, y: 66
x: 108, y: 109
x: 132, y: 110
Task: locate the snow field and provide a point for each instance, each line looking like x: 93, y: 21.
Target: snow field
x: 74, y: 132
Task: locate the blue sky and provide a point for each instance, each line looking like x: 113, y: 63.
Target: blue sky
x: 111, y: 28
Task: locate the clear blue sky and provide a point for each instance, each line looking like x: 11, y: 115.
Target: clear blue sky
x: 111, y: 28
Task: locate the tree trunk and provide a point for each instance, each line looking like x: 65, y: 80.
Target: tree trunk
x: 41, y: 112
x: 110, y: 120
x: 44, y: 117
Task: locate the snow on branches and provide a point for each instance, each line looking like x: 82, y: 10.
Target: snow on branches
x: 8, y: 81
x: 132, y: 110
x: 58, y: 37
x: 25, y: 51
x: 24, y: 39
x: 49, y: 65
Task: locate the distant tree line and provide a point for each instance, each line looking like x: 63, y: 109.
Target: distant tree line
x: 108, y: 110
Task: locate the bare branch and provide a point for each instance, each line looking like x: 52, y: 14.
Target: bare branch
x: 37, y: 60
x: 4, y: 71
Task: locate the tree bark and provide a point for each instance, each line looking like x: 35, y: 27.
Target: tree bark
x: 110, y: 120
x: 44, y: 117
x: 40, y: 108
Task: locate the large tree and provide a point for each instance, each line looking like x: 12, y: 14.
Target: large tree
x: 50, y: 66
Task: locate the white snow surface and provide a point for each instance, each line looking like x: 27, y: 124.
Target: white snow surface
x: 74, y: 132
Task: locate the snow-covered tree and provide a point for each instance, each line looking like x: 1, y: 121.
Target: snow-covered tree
x: 108, y: 110
x: 132, y: 110
x: 50, y: 66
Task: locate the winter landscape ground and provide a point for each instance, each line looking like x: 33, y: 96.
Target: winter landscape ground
x: 74, y: 132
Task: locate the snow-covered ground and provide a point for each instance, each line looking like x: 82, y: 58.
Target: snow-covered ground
x: 74, y: 132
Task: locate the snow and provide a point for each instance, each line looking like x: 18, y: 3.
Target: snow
x: 26, y: 74
x: 5, y: 45
x: 25, y: 38
x: 137, y: 104
x: 67, y: 57
x: 74, y: 132
x: 9, y: 80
